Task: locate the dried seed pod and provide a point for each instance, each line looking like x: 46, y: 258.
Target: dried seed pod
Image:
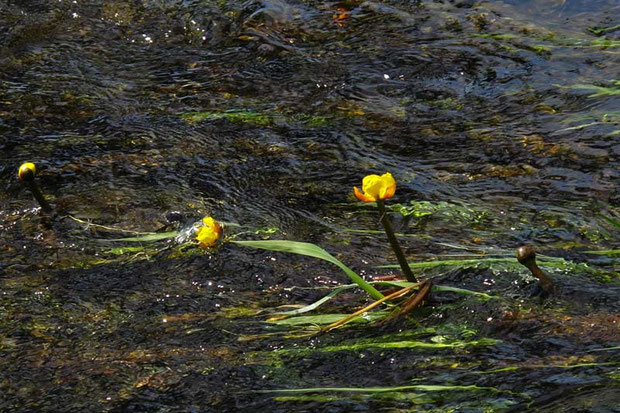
x: 526, y: 255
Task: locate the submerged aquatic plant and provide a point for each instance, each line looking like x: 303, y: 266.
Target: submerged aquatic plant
x: 377, y: 189
x: 311, y: 250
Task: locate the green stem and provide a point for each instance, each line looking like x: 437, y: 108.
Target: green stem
x: 34, y: 188
x: 387, y: 225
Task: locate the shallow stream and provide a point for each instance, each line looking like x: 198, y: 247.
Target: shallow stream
x: 499, y: 120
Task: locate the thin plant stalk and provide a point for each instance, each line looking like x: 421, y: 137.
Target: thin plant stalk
x: 389, y: 231
x: 350, y: 317
x: 38, y: 195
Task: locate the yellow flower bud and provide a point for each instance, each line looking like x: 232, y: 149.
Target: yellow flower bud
x: 26, y: 171
x: 209, y: 232
x: 376, y: 188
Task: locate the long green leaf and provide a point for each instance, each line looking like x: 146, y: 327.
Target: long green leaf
x: 439, y: 289
x: 149, y: 237
x: 322, y: 319
x: 311, y: 250
x: 421, y: 387
x: 399, y: 284
x: 432, y: 264
x: 318, y: 303
x: 445, y: 288
x: 604, y: 252
x: 411, y: 344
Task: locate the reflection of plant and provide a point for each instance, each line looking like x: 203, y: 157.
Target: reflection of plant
x: 456, y: 212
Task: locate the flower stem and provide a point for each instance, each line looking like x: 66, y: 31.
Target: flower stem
x: 387, y: 225
x: 34, y: 188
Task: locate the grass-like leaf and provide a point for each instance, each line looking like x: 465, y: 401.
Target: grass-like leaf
x: 311, y: 250
x: 318, y: 303
x: 420, y: 387
x: 149, y: 237
x: 448, y: 289
x: 432, y: 264
x: 610, y: 253
x: 324, y: 319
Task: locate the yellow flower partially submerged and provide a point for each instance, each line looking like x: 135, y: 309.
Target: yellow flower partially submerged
x: 209, y: 232
x: 376, y: 188
x: 26, y: 172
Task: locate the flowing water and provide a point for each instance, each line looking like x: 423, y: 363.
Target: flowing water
x: 499, y: 120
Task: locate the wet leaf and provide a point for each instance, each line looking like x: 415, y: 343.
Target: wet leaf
x: 311, y: 250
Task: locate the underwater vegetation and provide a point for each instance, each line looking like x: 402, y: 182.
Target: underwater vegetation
x: 190, y: 238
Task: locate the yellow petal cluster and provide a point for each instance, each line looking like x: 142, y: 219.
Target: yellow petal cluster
x: 27, y: 170
x: 376, y: 188
x: 209, y: 232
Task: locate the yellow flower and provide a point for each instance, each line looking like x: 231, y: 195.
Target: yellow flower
x: 376, y: 188
x: 26, y: 171
x: 209, y: 233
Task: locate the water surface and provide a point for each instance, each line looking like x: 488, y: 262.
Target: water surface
x: 499, y: 120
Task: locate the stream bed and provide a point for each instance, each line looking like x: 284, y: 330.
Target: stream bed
x: 498, y: 119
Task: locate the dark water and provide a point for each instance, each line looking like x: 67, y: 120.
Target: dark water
x: 499, y: 118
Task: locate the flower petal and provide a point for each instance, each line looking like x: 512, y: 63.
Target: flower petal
x: 209, y: 233
x: 388, y: 188
x: 361, y: 196
x: 371, y: 185
x: 27, y: 170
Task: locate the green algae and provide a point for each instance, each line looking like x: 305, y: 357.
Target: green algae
x: 457, y: 211
x: 422, y: 397
x: 310, y: 121
x: 132, y: 392
x: 267, y: 118
x: 240, y: 116
x: 124, y: 250
x: 419, y: 387
x: 238, y: 312
x: 404, y: 344
x: 600, y: 91
x: 609, y: 253
x: 511, y: 264
x: 603, y: 30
